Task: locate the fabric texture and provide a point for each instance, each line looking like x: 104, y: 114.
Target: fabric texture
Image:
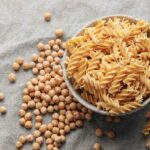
x: 22, y: 27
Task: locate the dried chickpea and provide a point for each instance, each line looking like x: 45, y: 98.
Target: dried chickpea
x: 22, y: 121
x: 39, y: 140
x: 43, y: 128
x: 22, y: 139
x: 31, y: 104
x: 49, y: 141
x: 63, y: 45
x: 26, y: 66
x: 61, y: 125
x: 54, y: 54
x: 37, y: 125
x: 12, y: 77
x: 36, y: 133
x: 55, y: 130
x: 43, y: 110
x: 96, y: 146
x: 55, y: 116
x: 47, y: 134
x: 88, y: 116
x: 110, y: 134
x: 34, y: 57
x: 47, y: 47
x: 26, y: 98
x: 28, y: 124
x: 30, y: 138
x: 15, y: 66
x: 50, y: 126
x: 109, y: 119
x: 62, y: 118
x: 54, y: 136
x: 49, y: 147
x: 54, y: 123
x: 55, y: 47
x: 36, y: 146
x: 147, y: 115
x: 50, y: 109
x: 60, y: 53
x: 79, y: 123
x: 67, y: 128
x: 72, y: 125
x: 40, y: 46
x: 61, y: 105
x: 3, y: 109
x: 99, y: 132
x: 47, y: 16
x: 18, y: 145
x: 22, y: 113
x: 57, y: 60
x: 38, y: 118
x: 59, y: 32
x: 116, y: 119
x: 62, y: 132
x: 19, y: 60
x: 28, y: 116
x: 2, y: 96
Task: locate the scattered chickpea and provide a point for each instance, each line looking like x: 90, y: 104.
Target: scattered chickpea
x: 12, y: 77
x: 39, y: 140
x: 56, y: 47
x: 110, y: 134
x: 47, y: 16
x: 21, y: 113
x: 3, y: 109
x: 116, y: 119
x: 22, y: 139
x: 99, y: 132
x: 2, y: 96
x: 18, y: 145
x: 43, y: 128
x: 88, y: 116
x: 26, y: 66
x: 40, y: 46
x: 59, y: 32
x: 28, y: 116
x: 22, y: 121
x: 96, y: 146
x: 15, y: 66
x: 36, y: 146
x: 109, y: 119
x: 28, y: 124
x: 36, y: 133
x: 19, y: 60
x: 30, y: 138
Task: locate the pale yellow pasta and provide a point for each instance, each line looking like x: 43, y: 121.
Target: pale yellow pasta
x: 109, y: 63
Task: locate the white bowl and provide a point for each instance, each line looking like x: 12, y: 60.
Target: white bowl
x: 70, y: 86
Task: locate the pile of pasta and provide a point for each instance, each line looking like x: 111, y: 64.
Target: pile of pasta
x: 109, y: 64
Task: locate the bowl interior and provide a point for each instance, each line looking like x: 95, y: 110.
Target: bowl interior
x: 74, y: 92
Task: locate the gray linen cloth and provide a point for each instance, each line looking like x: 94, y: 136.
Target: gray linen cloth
x: 22, y: 26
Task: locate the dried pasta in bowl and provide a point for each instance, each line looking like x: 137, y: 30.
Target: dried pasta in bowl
x: 109, y: 64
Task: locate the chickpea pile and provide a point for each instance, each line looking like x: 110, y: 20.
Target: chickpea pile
x: 47, y: 93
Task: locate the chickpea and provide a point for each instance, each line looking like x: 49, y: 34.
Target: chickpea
x: 47, y: 134
x: 37, y: 125
x: 19, y: 60
x: 15, y: 66
x: 110, y: 134
x: 47, y: 47
x: 28, y: 124
x: 12, y: 77
x: 47, y: 16
x: 18, y: 145
x: 43, y: 128
x: 79, y: 123
x: 99, y: 132
x: 22, y: 139
x: 3, y: 109
x: 28, y: 116
x: 55, y: 47
x: 40, y: 46
x: 2, y: 96
x: 22, y: 121
x: 30, y: 138
x: 59, y: 32
x: 117, y: 119
x: 39, y: 140
x: 31, y: 104
x: 50, y: 109
x: 96, y: 146
x: 36, y: 146
x: 36, y: 133
x: 26, y: 66
x: 38, y: 118
x: 109, y: 119
x: 22, y: 113
x: 67, y: 129
x: 34, y: 57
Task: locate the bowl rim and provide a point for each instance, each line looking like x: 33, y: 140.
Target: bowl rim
x: 70, y: 86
